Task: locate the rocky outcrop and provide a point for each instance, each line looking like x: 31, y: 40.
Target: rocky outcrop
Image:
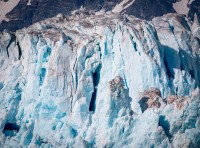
x: 151, y: 99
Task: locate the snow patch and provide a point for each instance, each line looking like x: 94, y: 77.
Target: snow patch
x: 6, y: 7
x: 29, y: 2
x: 181, y: 7
x: 190, y: 2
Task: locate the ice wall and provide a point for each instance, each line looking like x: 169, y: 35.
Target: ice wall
x: 83, y: 80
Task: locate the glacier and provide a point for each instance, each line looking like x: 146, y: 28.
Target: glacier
x: 101, y: 80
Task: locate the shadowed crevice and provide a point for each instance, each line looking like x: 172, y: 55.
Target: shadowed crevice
x: 165, y: 125
x: 96, y: 78
x: 20, y: 51
x: 10, y: 129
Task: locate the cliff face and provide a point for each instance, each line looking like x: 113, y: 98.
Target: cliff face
x: 28, y: 12
x: 101, y: 80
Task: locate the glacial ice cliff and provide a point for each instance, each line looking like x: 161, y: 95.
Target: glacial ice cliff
x: 101, y: 80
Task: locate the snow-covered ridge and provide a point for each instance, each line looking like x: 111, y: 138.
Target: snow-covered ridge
x: 101, y: 81
x: 122, y: 6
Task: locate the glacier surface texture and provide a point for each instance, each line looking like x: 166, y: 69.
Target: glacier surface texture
x: 101, y: 80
